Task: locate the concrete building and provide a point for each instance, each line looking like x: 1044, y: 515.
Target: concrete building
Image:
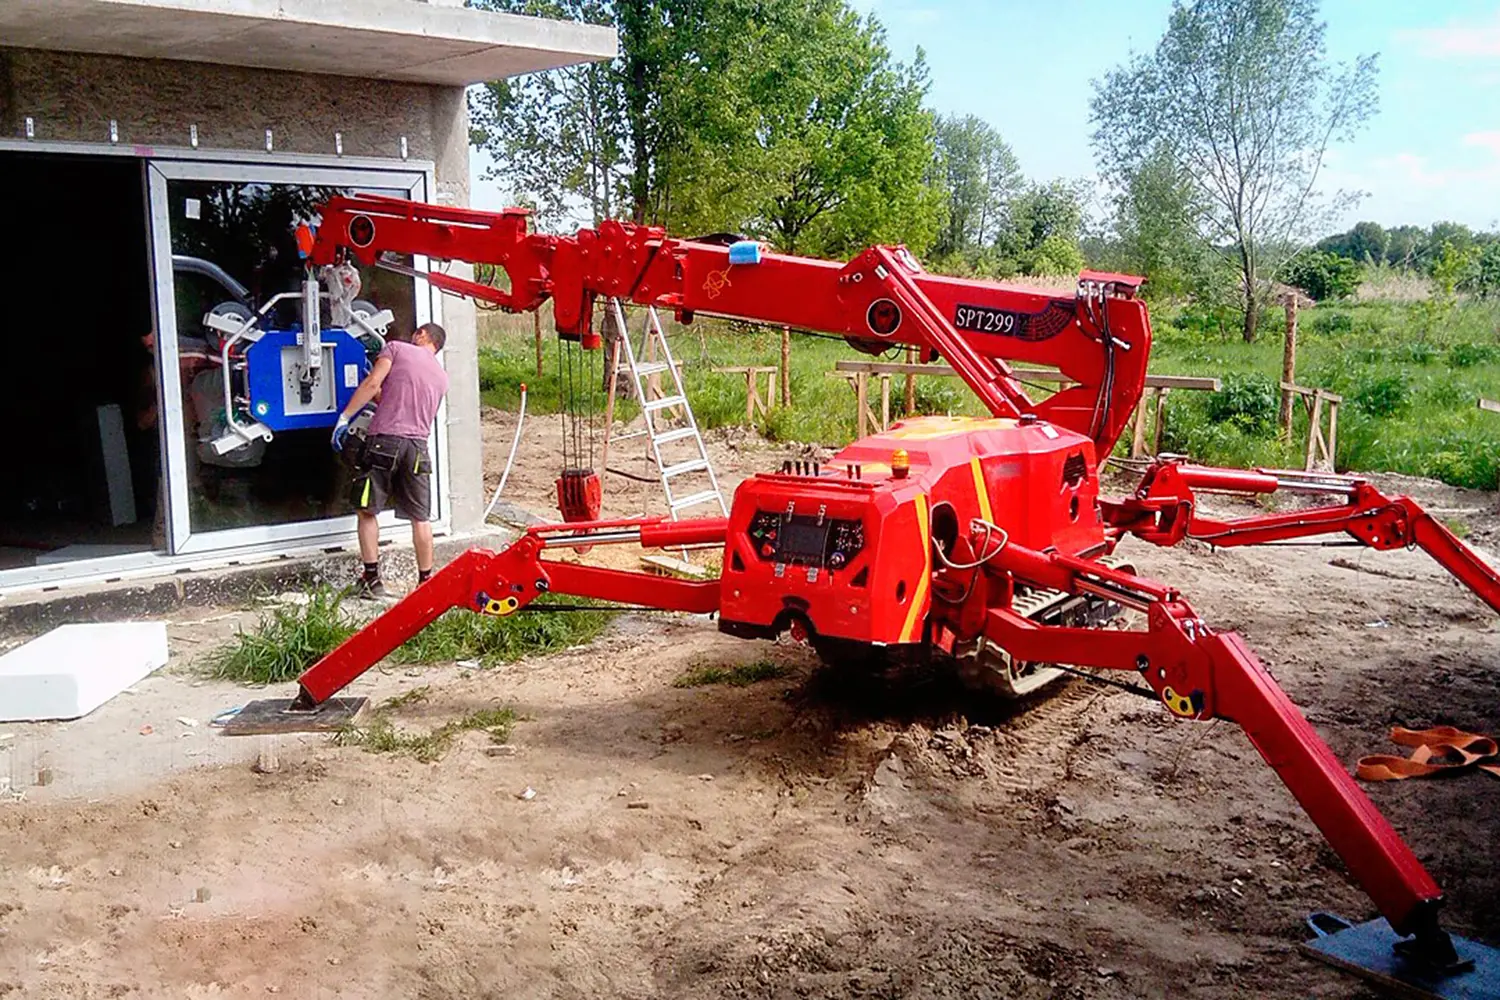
x: 135, y: 134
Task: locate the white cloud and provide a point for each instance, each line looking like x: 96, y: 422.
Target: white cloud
x: 1476, y: 40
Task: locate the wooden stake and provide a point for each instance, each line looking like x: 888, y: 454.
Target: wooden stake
x: 862, y: 402
x: 1288, y: 365
x: 885, y: 403
x: 1161, y: 419
x: 1138, y: 435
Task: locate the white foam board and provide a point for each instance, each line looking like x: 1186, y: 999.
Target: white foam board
x: 74, y: 669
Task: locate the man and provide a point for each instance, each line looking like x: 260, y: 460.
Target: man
x: 410, y: 384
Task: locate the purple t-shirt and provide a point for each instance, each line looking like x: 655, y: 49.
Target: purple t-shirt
x: 411, y: 392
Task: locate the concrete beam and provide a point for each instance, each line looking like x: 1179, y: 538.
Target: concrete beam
x: 379, y: 39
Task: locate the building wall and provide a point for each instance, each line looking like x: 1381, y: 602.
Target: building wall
x: 73, y: 97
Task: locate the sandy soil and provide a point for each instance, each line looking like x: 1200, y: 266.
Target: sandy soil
x: 795, y: 838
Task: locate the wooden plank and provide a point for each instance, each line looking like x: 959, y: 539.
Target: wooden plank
x: 1489, y: 404
x: 1192, y: 382
x: 885, y: 402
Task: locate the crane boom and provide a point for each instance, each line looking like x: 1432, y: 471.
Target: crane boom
x: 1099, y: 336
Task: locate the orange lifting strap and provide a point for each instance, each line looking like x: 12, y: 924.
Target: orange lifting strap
x: 1439, y: 750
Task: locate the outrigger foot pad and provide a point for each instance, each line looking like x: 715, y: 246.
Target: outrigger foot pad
x: 1429, y: 965
x: 277, y: 715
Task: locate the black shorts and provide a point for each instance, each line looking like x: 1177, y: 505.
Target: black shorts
x: 394, y: 470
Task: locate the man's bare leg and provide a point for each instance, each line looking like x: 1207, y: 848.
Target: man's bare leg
x: 421, y: 542
x: 369, y: 538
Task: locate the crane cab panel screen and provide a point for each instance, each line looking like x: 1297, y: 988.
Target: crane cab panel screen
x: 802, y: 541
x: 805, y: 540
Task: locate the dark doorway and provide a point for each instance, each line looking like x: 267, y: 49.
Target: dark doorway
x: 82, y: 445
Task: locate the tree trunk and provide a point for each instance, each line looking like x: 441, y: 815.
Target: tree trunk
x: 1252, y: 314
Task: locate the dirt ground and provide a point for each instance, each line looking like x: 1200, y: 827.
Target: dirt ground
x: 801, y: 837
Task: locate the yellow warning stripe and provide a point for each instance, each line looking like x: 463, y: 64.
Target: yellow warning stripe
x: 981, y: 491
x: 364, y: 500
x: 919, y: 595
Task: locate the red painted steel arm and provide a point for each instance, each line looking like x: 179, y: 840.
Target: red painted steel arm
x: 1164, y: 511
x: 1099, y: 338
x: 502, y: 583
x: 1201, y: 674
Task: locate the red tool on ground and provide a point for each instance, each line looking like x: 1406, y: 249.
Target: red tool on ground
x: 983, y: 540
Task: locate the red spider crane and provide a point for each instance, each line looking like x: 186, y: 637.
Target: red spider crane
x: 984, y: 540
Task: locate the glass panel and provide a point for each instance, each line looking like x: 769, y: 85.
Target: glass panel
x: 241, y: 238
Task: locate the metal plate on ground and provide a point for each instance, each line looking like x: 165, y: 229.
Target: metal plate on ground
x: 271, y: 715
x: 1366, y: 950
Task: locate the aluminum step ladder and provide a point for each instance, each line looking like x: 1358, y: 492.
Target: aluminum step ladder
x: 691, y: 459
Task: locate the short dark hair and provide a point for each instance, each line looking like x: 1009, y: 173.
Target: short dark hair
x: 435, y: 333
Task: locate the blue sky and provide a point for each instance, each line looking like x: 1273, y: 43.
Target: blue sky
x: 1025, y: 66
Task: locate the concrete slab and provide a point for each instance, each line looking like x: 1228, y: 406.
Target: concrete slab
x: 379, y: 39
x: 74, y: 669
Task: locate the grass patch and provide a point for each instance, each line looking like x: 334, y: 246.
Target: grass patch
x: 463, y: 635
x: 380, y: 735
x: 286, y: 641
x: 289, y: 638
x: 740, y: 675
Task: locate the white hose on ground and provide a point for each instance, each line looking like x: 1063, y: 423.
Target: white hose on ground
x: 514, y: 444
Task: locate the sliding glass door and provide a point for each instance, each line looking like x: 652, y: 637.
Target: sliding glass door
x: 223, y: 241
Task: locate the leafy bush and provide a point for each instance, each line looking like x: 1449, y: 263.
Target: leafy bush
x: 1416, y: 351
x: 1057, y: 255
x: 1381, y: 395
x: 1331, y: 322
x: 1323, y: 275
x: 1249, y: 402
x: 1485, y: 279
x: 1469, y: 355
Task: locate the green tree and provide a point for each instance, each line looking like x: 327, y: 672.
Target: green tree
x: 1156, y: 220
x: 830, y: 139
x: 1044, y: 215
x: 1404, y: 245
x: 1366, y: 243
x: 978, y: 173
x: 787, y: 119
x: 1241, y: 94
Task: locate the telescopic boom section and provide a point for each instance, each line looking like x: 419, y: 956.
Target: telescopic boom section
x: 1164, y: 510
x: 1099, y: 337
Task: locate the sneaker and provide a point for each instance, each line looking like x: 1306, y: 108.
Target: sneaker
x: 369, y: 589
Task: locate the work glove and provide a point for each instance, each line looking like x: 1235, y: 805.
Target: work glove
x: 340, y: 432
